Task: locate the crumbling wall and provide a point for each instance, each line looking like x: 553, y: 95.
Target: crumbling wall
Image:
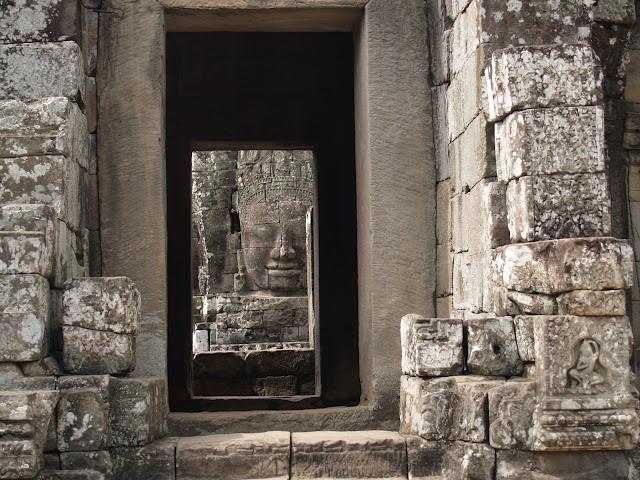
x: 531, y: 281
x: 67, y: 404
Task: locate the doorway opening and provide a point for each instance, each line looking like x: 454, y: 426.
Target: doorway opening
x: 274, y: 97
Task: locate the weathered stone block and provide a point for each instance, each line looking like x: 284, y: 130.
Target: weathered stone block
x: 545, y: 141
x: 521, y: 465
x: 558, y: 266
x: 98, y: 461
x: 156, y: 460
x: 615, y: 11
x: 492, y: 347
x: 25, y: 417
x: 538, y: 208
x: 9, y: 372
x: 138, y: 410
x: 469, y: 461
x: 464, y: 95
x: 36, y: 70
x: 472, y: 155
x: 605, y: 303
x: 524, y: 337
x: 24, y: 314
x: 50, y: 126
x: 86, y: 351
x: 451, y: 408
x: 509, y: 303
x: 83, y: 421
x: 201, y: 341
x: 39, y: 21
x: 425, y: 458
x: 584, y: 384
x: 511, y: 408
x: 469, y: 281
x: 102, y: 303
x: 27, y: 239
x: 47, y: 366
x: 70, y: 475
x: 89, y: 42
x: 541, y: 76
x: 494, y: 215
x: 364, y: 454
x: 234, y: 456
x: 431, y: 347
x: 51, y: 180
x: 19, y: 459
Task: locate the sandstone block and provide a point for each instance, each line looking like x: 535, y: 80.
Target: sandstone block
x: 525, y: 338
x: 88, y: 352
x: 558, y: 266
x: 27, y: 239
x: 9, y: 372
x: 201, y: 341
x: 522, y: 465
x: 494, y: 215
x: 492, y: 347
x: 605, y: 303
x: 425, y: 458
x: 615, y: 11
x: 520, y: 78
x: 138, y: 410
x: 464, y: 95
x: 364, y: 454
x: 89, y: 42
x: 584, y: 384
x: 509, y: 303
x: 451, y: 408
x: 98, y: 461
x: 472, y: 155
x: 431, y: 347
x: 49, y: 126
x: 25, y: 417
x: 469, y: 281
x: 470, y: 461
x: 556, y: 22
x: 479, y: 218
x: 538, y: 208
x: 156, y: 460
x: 50, y: 179
x: 234, y: 456
x: 545, y: 141
x: 70, y: 475
x: 24, y: 314
x: 83, y: 421
x: 48, y: 366
x: 511, y: 408
x: 39, y: 21
x: 102, y: 303
x: 19, y: 459
x: 36, y: 70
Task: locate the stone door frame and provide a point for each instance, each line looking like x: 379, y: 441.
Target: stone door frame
x: 395, y: 177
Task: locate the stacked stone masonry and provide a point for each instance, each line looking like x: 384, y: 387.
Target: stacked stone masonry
x: 527, y: 365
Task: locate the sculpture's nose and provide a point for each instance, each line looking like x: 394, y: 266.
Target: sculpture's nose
x: 283, y: 249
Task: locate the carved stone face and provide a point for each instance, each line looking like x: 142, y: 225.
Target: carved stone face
x: 274, y: 245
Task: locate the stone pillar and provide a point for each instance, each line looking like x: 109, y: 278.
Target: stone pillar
x: 563, y: 277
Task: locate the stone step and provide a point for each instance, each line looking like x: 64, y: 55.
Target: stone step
x: 285, y: 455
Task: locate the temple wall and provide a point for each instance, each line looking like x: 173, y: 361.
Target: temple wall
x: 530, y: 108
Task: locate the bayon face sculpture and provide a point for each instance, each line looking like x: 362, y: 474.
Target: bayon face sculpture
x: 274, y: 195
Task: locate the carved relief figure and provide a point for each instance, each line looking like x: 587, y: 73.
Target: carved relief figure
x: 274, y: 194
x: 588, y: 374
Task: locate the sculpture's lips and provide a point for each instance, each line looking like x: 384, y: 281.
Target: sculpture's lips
x: 284, y: 272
